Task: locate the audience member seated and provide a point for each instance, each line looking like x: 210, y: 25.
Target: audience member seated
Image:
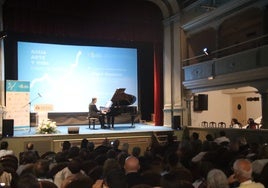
x: 5, y: 177
x: 196, y: 143
x: 47, y: 184
x: 217, y: 179
x: 77, y: 181
x: 73, y: 167
x: 29, y: 147
x: 171, y: 180
x: 121, y: 157
x: 26, y: 181
x: 261, y: 161
x: 132, y: 167
x: 125, y: 147
x: 115, y: 146
x: 116, y: 178
x: 252, y: 124
x: 170, y: 162
x: 60, y: 163
x: 9, y: 163
x: 4, y: 149
x: 222, y: 139
x: 28, y: 159
x: 66, y: 145
x: 136, y: 151
x: 263, y: 178
x: 235, y: 123
x: 199, y: 172
x: 41, y: 170
x: 109, y: 165
x: 243, y: 174
x: 152, y: 178
x: 84, y: 143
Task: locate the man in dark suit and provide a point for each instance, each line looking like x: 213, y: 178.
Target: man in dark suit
x: 94, y: 112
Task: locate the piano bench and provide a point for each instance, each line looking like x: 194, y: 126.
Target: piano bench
x: 92, y: 120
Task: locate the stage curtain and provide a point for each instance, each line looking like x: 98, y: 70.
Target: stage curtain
x: 158, y: 84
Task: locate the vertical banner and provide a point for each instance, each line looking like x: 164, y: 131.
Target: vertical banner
x: 18, y: 102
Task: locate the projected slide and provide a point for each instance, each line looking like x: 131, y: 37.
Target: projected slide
x: 68, y: 76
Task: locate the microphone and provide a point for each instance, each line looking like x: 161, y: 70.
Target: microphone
x: 39, y: 95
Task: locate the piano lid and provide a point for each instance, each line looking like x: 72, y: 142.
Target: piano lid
x: 120, y: 98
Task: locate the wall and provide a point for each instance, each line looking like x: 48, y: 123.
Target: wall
x: 220, y: 107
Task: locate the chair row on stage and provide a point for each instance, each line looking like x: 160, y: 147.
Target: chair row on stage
x: 213, y: 124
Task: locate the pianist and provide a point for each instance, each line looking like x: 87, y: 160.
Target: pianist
x: 94, y: 112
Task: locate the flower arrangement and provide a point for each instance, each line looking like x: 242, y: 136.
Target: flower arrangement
x: 47, y: 127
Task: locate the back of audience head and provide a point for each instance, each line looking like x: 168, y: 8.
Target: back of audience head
x: 136, y: 151
x: 27, y: 181
x: 263, y: 152
x: 216, y: 179
x: 73, y: 152
x: 108, y: 165
x: 4, y: 145
x: 66, y: 145
x: 116, y: 144
x: 195, y: 135
x: 132, y: 164
x: 74, y: 166
x: 41, y: 168
x: 209, y: 137
x: 91, y: 146
x: 116, y: 178
x: 30, y: 146
x: 77, y: 181
x: 171, y: 180
x: 28, y: 157
x: 242, y: 170
x: 84, y: 143
x: 125, y: 147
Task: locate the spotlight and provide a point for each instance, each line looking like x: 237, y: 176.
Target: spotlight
x: 206, y: 51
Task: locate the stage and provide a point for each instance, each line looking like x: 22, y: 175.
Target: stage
x: 85, y: 130
x: 138, y: 135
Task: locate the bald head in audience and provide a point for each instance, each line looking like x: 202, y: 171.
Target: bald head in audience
x: 243, y: 174
x: 132, y: 164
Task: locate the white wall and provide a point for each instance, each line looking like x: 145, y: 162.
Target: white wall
x: 220, y: 107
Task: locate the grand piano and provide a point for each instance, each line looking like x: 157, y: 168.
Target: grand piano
x: 121, y: 102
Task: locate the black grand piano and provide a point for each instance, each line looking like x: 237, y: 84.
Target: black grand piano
x: 121, y: 104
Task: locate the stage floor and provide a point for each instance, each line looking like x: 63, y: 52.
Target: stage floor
x: 84, y: 129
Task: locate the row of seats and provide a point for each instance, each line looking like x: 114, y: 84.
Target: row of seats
x: 213, y: 124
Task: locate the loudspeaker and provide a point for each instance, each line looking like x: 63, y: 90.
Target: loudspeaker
x: 200, y: 102
x: 176, y: 122
x: 73, y: 130
x: 8, y: 128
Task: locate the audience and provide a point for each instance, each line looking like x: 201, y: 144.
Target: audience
x: 73, y: 168
x: 217, y: 179
x: 243, y: 174
x: 222, y: 139
x: 132, y: 167
x: 188, y: 163
x: 235, y: 123
x: 252, y: 124
x: 4, y: 149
